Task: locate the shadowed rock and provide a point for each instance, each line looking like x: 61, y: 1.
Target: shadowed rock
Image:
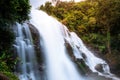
x: 36, y: 41
x: 84, y: 56
x: 69, y: 50
x: 99, y: 68
x: 3, y: 77
x: 84, y: 69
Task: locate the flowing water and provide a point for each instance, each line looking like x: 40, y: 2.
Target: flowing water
x: 27, y: 67
x: 53, y: 37
x: 58, y: 64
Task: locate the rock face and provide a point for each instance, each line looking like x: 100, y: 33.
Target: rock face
x: 99, y: 68
x: 38, y: 50
x: 3, y: 77
x: 83, y: 68
x: 36, y: 41
x: 69, y: 50
x: 95, y: 76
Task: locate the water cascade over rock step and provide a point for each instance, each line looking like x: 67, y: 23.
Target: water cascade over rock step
x: 51, y: 52
x: 36, y: 41
x: 27, y: 68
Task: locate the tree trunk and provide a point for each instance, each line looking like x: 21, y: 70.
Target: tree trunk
x: 108, y: 40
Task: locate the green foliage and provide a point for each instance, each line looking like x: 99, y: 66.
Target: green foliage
x: 12, y: 11
x: 48, y: 8
x: 108, y: 15
x: 6, y: 38
x: 90, y: 19
x: 6, y: 42
x: 97, y: 41
x: 5, y: 69
x: 75, y: 16
x: 95, y: 21
x: 11, y: 76
x: 8, y: 59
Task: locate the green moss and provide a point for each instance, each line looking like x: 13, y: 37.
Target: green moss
x: 4, y: 69
x: 10, y: 75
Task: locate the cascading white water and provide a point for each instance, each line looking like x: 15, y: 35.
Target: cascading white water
x: 53, y: 37
x: 27, y: 67
x: 58, y: 64
x: 79, y: 49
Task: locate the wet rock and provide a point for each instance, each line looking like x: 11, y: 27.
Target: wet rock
x: 69, y: 50
x: 42, y: 67
x: 84, y: 69
x: 99, y: 68
x: 36, y: 42
x: 3, y: 77
x: 84, y: 56
x: 115, y: 70
x: 82, y: 62
x: 95, y: 76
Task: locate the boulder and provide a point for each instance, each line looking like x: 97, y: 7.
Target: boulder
x: 99, y: 68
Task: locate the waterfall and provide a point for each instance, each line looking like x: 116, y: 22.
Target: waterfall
x: 27, y: 67
x: 58, y: 64
x: 57, y: 61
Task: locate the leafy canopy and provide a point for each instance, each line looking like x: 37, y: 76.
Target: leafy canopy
x: 12, y: 11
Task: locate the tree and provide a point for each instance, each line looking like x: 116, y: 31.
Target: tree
x: 12, y: 11
x: 47, y: 7
x: 108, y: 15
